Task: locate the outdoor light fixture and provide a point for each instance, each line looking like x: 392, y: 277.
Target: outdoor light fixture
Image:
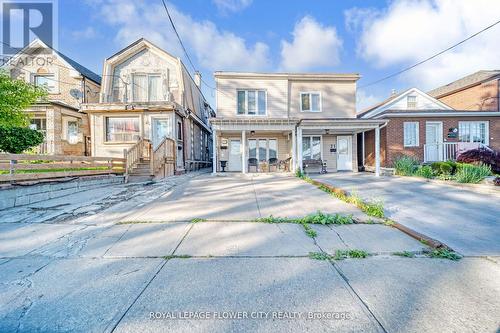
x: 327, y: 131
x: 252, y: 132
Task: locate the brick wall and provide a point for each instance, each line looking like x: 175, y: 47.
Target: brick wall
x: 481, y: 97
x: 392, y: 138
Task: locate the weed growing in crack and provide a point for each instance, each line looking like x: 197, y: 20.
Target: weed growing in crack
x: 443, y: 253
x: 309, y: 231
x: 354, y: 253
x: 177, y: 256
x: 320, y: 256
x: 196, y: 220
x: 317, y: 218
x: 406, y: 254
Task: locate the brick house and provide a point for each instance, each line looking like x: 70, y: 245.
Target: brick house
x: 426, y: 129
x: 68, y: 84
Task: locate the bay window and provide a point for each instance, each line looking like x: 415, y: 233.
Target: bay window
x: 252, y: 102
x: 310, y: 102
x: 311, y: 148
x: 122, y: 129
x: 473, y: 131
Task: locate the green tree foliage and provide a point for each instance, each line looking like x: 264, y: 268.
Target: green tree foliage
x: 15, y: 139
x: 16, y: 96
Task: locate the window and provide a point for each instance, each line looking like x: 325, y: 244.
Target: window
x: 252, y: 102
x: 46, y: 81
x: 410, y: 134
x: 473, y: 131
x: 262, y: 149
x: 72, y: 131
x: 311, y: 147
x: 146, y: 88
x: 39, y: 124
x: 122, y: 129
x: 310, y: 102
x: 411, y: 102
x: 179, y: 131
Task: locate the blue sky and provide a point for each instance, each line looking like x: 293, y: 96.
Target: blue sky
x: 373, y: 38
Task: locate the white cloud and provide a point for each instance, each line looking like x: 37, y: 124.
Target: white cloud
x: 213, y: 48
x: 87, y: 33
x: 225, y: 6
x: 313, y: 46
x: 365, y: 100
x: 409, y: 31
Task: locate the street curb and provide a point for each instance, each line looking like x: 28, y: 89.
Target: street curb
x: 410, y: 232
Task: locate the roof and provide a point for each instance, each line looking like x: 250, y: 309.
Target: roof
x: 81, y: 69
x: 373, y: 107
x: 472, y: 79
x: 314, y: 76
x: 434, y: 113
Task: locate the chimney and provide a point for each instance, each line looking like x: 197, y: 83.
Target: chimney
x: 197, y: 79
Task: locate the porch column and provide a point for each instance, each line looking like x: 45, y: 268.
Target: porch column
x: 214, y: 151
x: 377, y: 151
x: 243, y: 152
x: 294, y: 151
x: 363, y: 149
x: 299, y: 148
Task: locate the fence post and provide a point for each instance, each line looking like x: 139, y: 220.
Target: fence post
x: 11, y: 167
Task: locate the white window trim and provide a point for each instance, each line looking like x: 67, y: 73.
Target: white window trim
x: 267, y: 147
x: 407, y: 102
x: 320, y: 140
x: 256, y: 103
x: 310, y: 101
x: 147, y: 75
x: 105, y: 129
x: 417, y: 132
x: 486, y: 130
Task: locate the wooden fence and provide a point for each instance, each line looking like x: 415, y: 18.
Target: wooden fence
x: 23, y: 167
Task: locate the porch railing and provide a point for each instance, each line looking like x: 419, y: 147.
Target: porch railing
x: 447, y: 151
x: 164, y: 158
x: 141, y: 150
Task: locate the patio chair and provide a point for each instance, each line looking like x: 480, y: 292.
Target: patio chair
x: 273, y: 162
x: 253, y: 162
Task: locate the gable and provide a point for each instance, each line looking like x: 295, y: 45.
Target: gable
x: 401, y: 102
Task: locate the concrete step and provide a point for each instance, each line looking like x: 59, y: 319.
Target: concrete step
x: 139, y: 178
x: 179, y: 172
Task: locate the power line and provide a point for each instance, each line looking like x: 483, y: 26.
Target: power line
x: 431, y: 57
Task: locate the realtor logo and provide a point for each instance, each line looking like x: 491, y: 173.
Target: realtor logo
x: 23, y: 21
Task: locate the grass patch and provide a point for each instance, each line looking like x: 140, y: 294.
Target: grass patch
x: 316, y: 218
x: 472, y: 174
x: 177, y: 256
x: 445, y: 254
x: 406, y: 254
x: 197, y: 220
x: 6, y: 172
x: 354, y: 253
x: 320, y: 256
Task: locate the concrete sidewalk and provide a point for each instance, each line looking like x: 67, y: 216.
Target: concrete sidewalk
x: 466, y: 221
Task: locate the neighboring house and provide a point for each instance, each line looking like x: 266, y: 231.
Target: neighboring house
x: 476, y: 92
x: 69, y: 84
x: 287, y: 121
x: 147, y: 94
x: 426, y: 129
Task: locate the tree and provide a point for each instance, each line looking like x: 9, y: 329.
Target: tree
x: 15, y: 97
x: 15, y: 140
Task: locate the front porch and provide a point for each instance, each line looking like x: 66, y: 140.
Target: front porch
x: 288, y: 145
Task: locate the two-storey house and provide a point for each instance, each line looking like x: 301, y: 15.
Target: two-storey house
x: 287, y: 121
x: 148, y: 94
x: 68, y: 85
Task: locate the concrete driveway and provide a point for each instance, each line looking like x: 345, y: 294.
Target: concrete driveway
x: 467, y: 221
x: 91, y: 273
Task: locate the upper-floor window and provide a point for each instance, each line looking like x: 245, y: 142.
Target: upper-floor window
x: 146, y: 88
x: 410, y: 134
x: 252, y: 102
x: 411, y: 102
x: 47, y: 81
x: 473, y: 131
x: 310, y: 102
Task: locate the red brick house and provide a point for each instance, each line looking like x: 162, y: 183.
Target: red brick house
x: 426, y: 128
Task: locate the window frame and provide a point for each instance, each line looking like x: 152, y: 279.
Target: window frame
x: 310, y: 93
x: 311, y: 138
x: 469, y: 123
x: 147, y: 92
x: 105, y: 127
x: 257, y: 146
x: 256, y: 102
x: 50, y: 77
x: 408, y: 102
x: 417, y: 134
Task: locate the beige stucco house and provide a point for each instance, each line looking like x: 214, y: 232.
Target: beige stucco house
x: 287, y: 121
x: 68, y: 84
x: 148, y: 94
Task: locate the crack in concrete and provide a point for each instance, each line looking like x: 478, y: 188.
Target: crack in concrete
x: 256, y: 197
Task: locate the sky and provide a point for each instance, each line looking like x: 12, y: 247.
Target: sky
x: 369, y: 37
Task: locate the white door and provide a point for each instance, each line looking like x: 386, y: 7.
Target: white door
x: 161, y: 129
x: 234, y: 161
x: 433, y: 141
x: 344, y: 153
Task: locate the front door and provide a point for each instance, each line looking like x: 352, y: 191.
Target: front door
x: 161, y: 129
x: 433, y: 141
x: 234, y: 162
x: 344, y: 153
